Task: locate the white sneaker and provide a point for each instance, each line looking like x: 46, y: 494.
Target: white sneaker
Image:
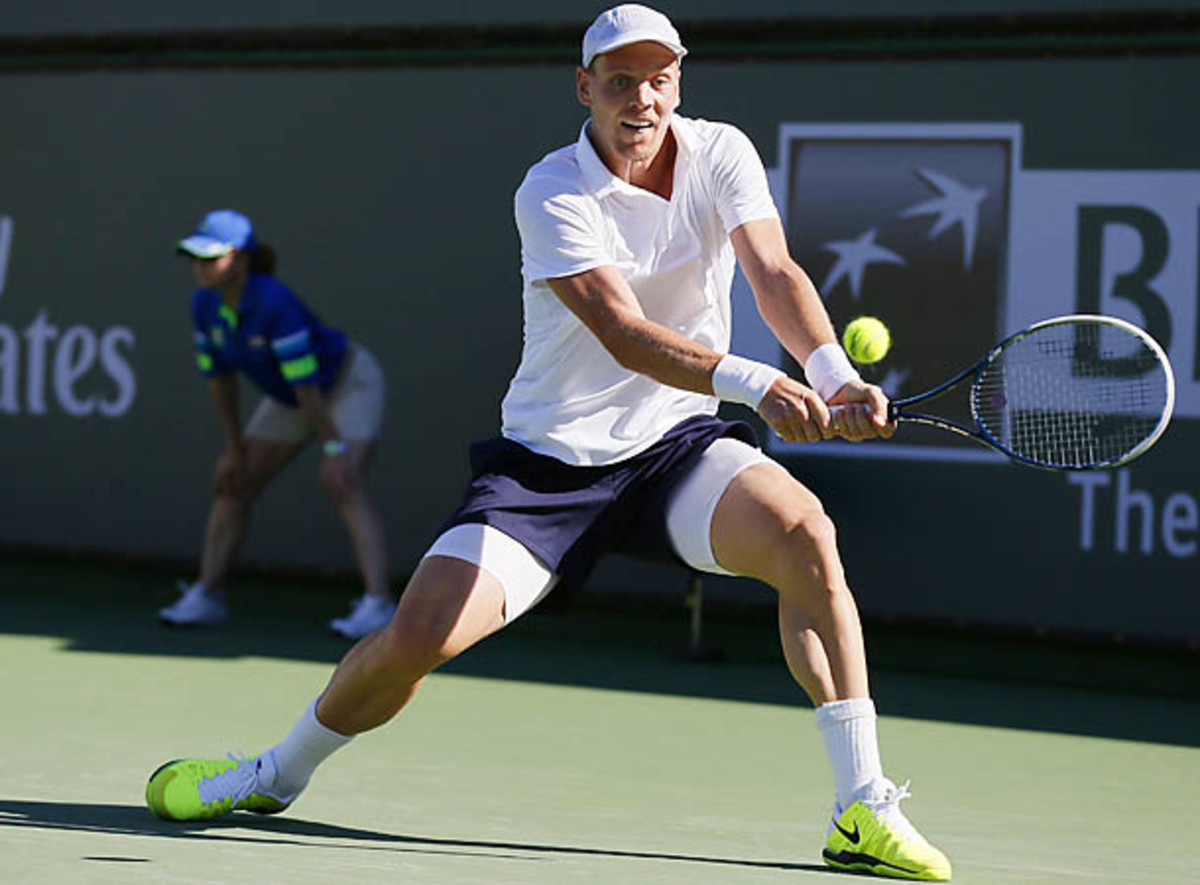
x: 197, y: 607
x: 368, y: 613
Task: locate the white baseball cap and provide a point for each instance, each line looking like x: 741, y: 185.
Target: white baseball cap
x: 629, y: 23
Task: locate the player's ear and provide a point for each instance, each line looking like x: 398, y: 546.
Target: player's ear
x: 583, y: 86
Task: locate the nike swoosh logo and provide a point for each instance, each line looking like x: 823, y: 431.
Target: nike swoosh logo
x: 853, y: 837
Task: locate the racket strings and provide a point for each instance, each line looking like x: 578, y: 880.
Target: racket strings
x: 1072, y: 395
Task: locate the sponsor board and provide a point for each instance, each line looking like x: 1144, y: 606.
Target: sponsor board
x: 940, y: 231
x: 49, y: 368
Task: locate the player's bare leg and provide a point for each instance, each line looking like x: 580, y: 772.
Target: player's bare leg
x: 805, y: 654
x: 770, y: 527
x: 448, y: 606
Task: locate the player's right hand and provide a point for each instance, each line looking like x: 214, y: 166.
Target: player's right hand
x: 859, y: 411
x: 795, y: 412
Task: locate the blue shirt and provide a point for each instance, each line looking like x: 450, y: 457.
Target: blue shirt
x: 272, y: 337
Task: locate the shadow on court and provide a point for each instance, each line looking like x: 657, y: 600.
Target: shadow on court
x: 1114, y: 693
x: 246, y: 829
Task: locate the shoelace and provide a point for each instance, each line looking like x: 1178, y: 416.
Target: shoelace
x: 236, y: 784
x: 887, y: 808
x: 891, y: 796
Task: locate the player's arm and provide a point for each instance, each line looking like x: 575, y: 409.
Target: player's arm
x: 791, y: 306
x: 221, y: 376
x: 335, y: 466
x: 605, y: 304
x: 603, y: 301
x: 229, y: 472
x: 292, y: 345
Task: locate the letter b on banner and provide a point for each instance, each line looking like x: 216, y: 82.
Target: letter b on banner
x: 1132, y: 285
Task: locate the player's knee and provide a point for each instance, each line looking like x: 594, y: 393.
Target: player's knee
x: 815, y: 531
x: 802, y: 532
x: 804, y: 551
x: 406, y: 656
x: 415, y: 643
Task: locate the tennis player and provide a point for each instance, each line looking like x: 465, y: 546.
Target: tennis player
x: 316, y: 385
x: 610, y: 442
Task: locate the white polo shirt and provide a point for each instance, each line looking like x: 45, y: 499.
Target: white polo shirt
x: 570, y: 398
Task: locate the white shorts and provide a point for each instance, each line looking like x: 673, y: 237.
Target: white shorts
x: 526, y: 580
x: 355, y: 404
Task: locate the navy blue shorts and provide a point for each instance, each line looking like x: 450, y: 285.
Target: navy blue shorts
x: 570, y: 516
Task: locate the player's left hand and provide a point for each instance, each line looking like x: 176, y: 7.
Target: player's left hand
x: 863, y: 414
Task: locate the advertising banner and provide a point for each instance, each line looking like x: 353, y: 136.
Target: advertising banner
x: 938, y: 230
x: 50, y: 363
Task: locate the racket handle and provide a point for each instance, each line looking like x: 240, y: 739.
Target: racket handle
x: 837, y: 410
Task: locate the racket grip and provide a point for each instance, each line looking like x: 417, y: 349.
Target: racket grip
x: 836, y: 410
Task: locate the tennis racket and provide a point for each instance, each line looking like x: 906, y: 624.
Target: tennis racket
x: 1076, y: 392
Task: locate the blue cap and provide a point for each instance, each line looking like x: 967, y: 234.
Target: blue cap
x: 220, y: 232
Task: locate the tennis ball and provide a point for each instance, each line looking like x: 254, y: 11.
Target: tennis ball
x: 866, y: 340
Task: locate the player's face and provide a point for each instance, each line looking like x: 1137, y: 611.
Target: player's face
x: 215, y: 273
x: 632, y: 92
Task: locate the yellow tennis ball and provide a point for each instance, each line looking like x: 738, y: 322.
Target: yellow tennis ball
x: 866, y: 340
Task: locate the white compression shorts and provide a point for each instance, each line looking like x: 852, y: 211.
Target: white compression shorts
x: 526, y: 580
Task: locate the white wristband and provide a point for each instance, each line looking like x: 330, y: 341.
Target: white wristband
x: 739, y: 380
x: 828, y: 369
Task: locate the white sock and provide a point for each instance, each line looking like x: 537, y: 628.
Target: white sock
x: 848, y: 728
x: 289, y: 764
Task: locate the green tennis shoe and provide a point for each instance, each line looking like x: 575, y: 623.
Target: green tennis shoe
x: 873, y: 836
x: 203, y: 789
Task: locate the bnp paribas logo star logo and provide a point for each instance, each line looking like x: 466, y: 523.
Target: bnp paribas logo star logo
x: 956, y: 206
x: 908, y: 223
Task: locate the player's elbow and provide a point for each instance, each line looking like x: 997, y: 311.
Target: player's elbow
x: 780, y: 278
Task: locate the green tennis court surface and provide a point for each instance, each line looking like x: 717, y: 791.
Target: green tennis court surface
x: 572, y: 749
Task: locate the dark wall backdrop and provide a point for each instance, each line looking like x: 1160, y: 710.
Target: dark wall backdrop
x: 78, y: 16
x: 387, y: 193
